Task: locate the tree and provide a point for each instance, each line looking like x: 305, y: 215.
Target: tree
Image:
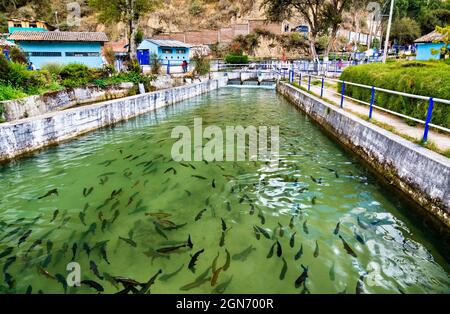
x: 405, y: 30
x: 445, y: 49
x: 127, y: 11
x: 323, y: 17
x: 18, y: 56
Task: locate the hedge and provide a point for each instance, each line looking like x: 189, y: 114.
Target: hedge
x: 236, y: 59
x: 426, y: 78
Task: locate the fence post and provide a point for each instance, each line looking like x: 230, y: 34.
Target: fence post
x: 300, y: 79
x: 372, y: 100
x: 321, y: 89
x: 309, y: 82
x: 427, y: 122
x: 168, y: 66
x: 342, y: 94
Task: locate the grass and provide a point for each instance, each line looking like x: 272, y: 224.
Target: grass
x: 429, y: 145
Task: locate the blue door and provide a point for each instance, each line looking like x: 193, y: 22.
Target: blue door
x: 143, y: 57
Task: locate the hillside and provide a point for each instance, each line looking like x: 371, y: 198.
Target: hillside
x: 172, y: 16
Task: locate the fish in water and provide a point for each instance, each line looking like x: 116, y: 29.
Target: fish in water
x: 257, y: 233
x: 44, y: 272
x: 9, y: 280
x: 82, y: 215
x: 194, y: 259
x: 347, y: 248
x: 176, y: 248
x: 305, y: 227
x: 316, y: 250
x: 299, y: 253
x: 362, y: 224
x: 93, y: 267
x: 51, y: 192
x: 224, y: 225
x: 302, y: 278
x: 279, y: 250
x: 93, y: 284
x: 129, y: 241
x: 103, y: 253
x: 47, y: 260
x: 270, y: 254
x: 227, y: 261
x: 215, y: 276
x: 313, y: 200
x: 8, y: 263
x: 263, y: 232
x: 29, y: 289
x: 199, y: 215
x: 283, y: 270
x: 213, y: 183
x: 146, y: 286
x: 159, y: 214
x: 55, y: 213
x: 222, y: 287
x: 6, y: 252
x: 292, y: 240
x: 291, y: 222
x: 222, y: 239
x: 49, y: 246
x: 188, y: 193
x: 261, y: 216
x: 331, y: 273
x: 242, y: 256
x: 318, y: 181
x: 171, y: 169
x: 201, y: 279
x: 360, y: 285
x: 359, y: 238
x: 104, y: 224
x: 74, y: 251
x: 35, y: 243
x: 60, y: 278
x: 92, y: 228
x: 229, y: 206
x: 198, y: 177
x: 336, y: 230
x: 170, y: 275
x: 281, y: 230
x: 24, y: 237
x: 115, y: 215
x: 252, y: 209
x: 87, y: 249
x: 159, y: 231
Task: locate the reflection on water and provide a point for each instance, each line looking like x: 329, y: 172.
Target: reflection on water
x: 110, y: 201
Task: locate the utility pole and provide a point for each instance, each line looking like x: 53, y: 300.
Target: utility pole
x: 388, y: 32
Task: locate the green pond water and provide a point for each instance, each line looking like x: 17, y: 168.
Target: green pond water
x: 113, y: 183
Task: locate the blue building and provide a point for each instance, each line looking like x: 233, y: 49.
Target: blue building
x: 426, y: 43
x: 171, y: 52
x: 44, y: 47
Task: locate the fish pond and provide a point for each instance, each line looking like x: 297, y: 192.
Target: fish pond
x: 114, y: 202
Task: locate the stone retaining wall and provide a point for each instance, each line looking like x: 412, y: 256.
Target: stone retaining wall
x: 420, y: 173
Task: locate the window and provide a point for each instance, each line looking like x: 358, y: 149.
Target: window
x: 166, y: 50
x: 33, y: 25
x: 17, y: 25
x: 181, y: 50
x: 44, y: 54
x: 82, y: 54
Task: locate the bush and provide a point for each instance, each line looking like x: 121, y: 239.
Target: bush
x: 76, y: 75
x: 236, y: 59
x: 202, y: 65
x: 8, y: 92
x: 4, y: 68
x: 53, y: 68
x: 155, y: 64
x: 18, y: 56
x: 420, y: 78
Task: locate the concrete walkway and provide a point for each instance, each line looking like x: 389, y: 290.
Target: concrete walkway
x: 388, y: 121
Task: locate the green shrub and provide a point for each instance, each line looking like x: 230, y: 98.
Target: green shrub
x: 236, y: 59
x: 202, y: 65
x: 155, y: 64
x: 18, y: 56
x: 53, y: 68
x: 4, y: 68
x: 8, y: 92
x: 76, y: 75
x: 430, y: 78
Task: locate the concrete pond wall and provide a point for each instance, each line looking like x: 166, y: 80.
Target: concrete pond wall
x: 26, y: 135
x: 59, y: 100
x: 423, y: 175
